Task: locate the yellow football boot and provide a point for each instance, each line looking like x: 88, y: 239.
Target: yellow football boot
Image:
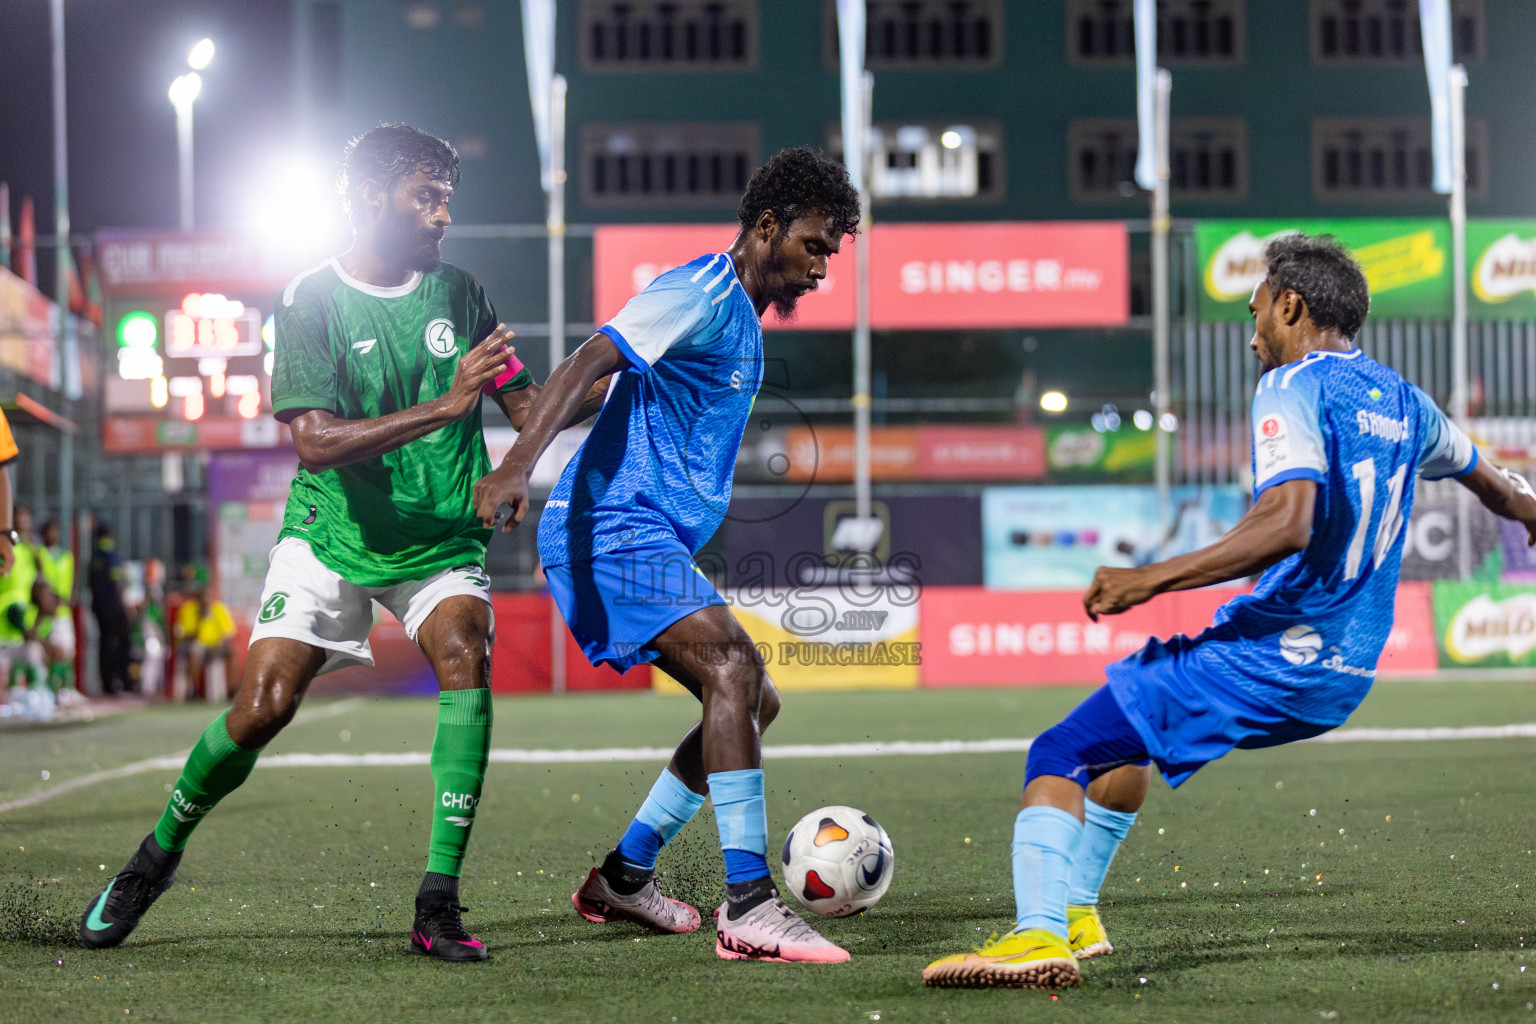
x: 1085, y: 933
x: 1029, y: 959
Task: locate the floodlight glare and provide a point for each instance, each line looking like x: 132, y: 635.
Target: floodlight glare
x: 185, y: 89
x: 951, y: 139
x: 1053, y: 401
x: 201, y: 55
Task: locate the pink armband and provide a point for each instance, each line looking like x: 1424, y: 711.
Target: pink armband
x: 512, y: 369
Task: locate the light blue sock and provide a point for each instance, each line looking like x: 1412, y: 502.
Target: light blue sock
x: 741, y: 814
x: 669, y: 807
x: 1103, y: 832
x: 1043, y: 841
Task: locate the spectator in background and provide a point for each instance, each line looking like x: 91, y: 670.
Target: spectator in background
x: 105, y: 579
x: 56, y: 564
x: 204, y: 631
x: 8, y: 535
x: 16, y: 592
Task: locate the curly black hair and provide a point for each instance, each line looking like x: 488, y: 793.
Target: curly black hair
x: 1326, y: 277
x: 797, y: 182
x: 390, y: 152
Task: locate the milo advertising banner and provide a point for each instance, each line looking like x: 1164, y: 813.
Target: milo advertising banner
x: 1485, y: 625
x: 1407, y: 263
x: 1502, y: 269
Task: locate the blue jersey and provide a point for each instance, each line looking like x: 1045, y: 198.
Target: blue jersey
x: 1299, y: 653
x: 657, y: 467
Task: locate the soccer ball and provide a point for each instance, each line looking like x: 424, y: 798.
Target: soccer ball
x: 838, y: 861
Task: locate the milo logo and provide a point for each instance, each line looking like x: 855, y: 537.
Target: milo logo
x: 275, y: 607
x: 1505, y: 269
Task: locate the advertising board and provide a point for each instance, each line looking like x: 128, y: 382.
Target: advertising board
x: 922, y: 276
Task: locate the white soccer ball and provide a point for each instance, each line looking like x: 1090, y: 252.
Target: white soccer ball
x: 838, y: 861
x: 1300, y: 645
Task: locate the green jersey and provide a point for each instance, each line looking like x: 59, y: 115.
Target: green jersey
x: 359, y: 351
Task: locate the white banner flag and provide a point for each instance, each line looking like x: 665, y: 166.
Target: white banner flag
x: 1435, y: 21
x: 1146, y: 96
x: 850, y: 48
x: 539, y: 54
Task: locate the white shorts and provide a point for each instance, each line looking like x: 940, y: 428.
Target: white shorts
x: 304, y: 600
x: 63, y: 635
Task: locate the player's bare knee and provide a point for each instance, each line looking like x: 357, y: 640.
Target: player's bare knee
x: 462, y: 660
x: 268, y: 700
x: 740, y: 684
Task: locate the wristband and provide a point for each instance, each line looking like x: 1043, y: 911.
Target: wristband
x: 513, y: 367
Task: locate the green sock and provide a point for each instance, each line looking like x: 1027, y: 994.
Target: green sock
x: 215, y: 768
x: 459, y: 753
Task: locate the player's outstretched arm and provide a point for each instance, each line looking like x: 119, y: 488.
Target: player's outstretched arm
x: 1504, y: 493
x: 325, y: 441
x: 1278, y: 526
x: 516, y: 404
x: 561, y: 399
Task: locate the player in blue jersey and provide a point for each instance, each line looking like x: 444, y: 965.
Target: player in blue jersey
x: 1339, y: 441
x: 647, y: 490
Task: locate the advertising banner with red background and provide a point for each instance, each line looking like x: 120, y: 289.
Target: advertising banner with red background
x: 928, y: 452
x: 977, y: 637
x: 922, y: 276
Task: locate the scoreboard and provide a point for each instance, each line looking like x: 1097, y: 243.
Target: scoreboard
x: 210, y: 355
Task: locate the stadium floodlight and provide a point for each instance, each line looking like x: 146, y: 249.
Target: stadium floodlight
x: 1142, y: 419
x: 186, y: 88
x: 1053, y: 401
x: 201, y: 55
x: 951, y: 139
x: 293, y: 208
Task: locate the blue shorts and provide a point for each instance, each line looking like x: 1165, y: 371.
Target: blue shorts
x: 617, y: 604
x: 1183, y: 700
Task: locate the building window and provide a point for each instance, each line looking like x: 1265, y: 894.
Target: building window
x: 923, y: 33
x: 1207, y: 159
x: 931, y: 161
x: 1188, y: 32
x: 666, y: 164
x: 1387, y: 31
x: 1373, y: 159
x: 667, y: 35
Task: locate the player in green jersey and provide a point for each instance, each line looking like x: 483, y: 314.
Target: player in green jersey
x: 381, y: 358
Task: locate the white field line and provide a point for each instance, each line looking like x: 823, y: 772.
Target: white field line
x: 897, y: 748
x: 165, y: 762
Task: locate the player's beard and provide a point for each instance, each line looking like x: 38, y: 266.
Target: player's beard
x: 416, y: 248
x: 783, y: 300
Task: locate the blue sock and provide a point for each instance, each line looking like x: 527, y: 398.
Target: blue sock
x: 1103, y: 831
x: 741, y: 814
x: 669, y: 807
x: 1043, y: 841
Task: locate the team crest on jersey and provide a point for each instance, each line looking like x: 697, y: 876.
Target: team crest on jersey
x: 440, y: 339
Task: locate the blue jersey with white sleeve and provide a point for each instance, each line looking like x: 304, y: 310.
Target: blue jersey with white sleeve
x: 1298, y: 654
x: 658, y: 465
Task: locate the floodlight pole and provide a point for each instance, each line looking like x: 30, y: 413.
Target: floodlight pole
x: 1460, y: 375
x: 61, y: 230
x: 861, y: 342
x: 184, y: 161
x: 1161, y: 301
x: 556, y: 224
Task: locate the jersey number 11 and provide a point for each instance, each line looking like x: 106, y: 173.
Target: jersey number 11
x: 1391, y: 519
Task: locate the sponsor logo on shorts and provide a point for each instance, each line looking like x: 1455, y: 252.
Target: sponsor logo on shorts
x: 274, y: 608
x: 440, y: 339
x: 1300, y: 645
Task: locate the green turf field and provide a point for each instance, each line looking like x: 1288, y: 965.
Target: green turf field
x: 1386, y: 881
